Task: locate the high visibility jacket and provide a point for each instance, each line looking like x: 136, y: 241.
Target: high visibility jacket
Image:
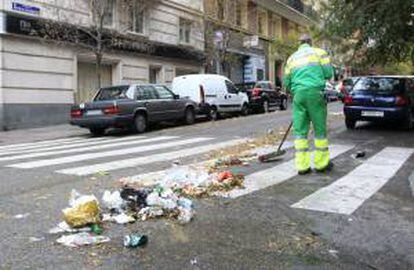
x: 307, y: 70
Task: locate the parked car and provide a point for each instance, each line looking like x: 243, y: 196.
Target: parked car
x: 331, y: 93
x: 346, y: 85
x: 133, y: 106
x: 264, y: 96
x: 379, y: 99
x: 213, y: 94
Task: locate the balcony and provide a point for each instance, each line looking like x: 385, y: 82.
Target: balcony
x: 299, y: 6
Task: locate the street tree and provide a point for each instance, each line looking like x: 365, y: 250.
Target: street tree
x: 375, y: 31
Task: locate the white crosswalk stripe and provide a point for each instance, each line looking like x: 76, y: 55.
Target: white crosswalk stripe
x: 133, y: 162
x: 90, y: 147
x: 39, y: 145
x: 347, y: 194
x: 82, y: 157
x: 67, y: 145
x: 278, y: 174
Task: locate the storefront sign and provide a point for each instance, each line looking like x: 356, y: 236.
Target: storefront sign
x: 254, y: 69
x: 25, y: 8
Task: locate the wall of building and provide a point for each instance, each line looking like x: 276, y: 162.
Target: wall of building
x: 37, y: 82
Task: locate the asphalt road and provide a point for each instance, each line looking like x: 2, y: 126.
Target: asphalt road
x: 359, y: 216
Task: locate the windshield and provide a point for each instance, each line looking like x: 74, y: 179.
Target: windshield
x: 113, y: 93
x: 386, y: 85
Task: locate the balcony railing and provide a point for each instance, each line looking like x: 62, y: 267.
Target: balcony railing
x: 301, y: 7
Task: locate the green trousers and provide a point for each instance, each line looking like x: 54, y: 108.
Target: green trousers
x: 310, y: 107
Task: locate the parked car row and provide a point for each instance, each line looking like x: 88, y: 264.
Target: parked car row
x: 380, y: 99
x: 137, y: 106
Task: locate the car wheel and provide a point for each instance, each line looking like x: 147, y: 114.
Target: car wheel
x: 140, y: 123
x: 244, y: 110
x: 266, y: 106
x: 189, y: 116
x: 97, y: 131
x: 213, y: 115
x: 350, y: 123
x: 408, y: 122
x: 283, y: 105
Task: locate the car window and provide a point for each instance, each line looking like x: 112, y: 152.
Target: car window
x: 163, y: 92
x: 230, y: 87
x: 387, y: 85
x: 115, y: 92
x: 145, y: 92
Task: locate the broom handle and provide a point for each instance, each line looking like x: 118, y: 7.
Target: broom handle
x: 285, y: 136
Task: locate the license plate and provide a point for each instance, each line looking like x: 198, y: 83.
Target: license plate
x: 94, y: 112
x: 372, y: 113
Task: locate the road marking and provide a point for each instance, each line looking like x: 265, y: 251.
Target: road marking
x: 347, y: 194
x: 67, y: 145
x: 87, y: 149
x: 278, y: 174
x: 126, y: 151
x: 16, y: 147
x: 133, y: 162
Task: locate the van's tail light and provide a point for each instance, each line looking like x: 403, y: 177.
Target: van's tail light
x: 348, y: 100
x: 76, y: 113
x: 202, y: 95
x: 402, y: 101
x: 111, y: 110
x: 256, y: 92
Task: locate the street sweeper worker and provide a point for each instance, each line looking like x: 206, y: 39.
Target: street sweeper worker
x: 305, y: 76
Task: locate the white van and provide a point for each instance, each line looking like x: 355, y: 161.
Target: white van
x: 214, y: 94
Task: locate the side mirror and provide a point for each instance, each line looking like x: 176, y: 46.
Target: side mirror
x: 176, y: 96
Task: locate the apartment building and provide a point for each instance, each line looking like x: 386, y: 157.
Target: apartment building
x: 244, y: 30
x: 47, y: 61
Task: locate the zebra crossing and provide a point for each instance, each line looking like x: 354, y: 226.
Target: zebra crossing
x: 341, y: 196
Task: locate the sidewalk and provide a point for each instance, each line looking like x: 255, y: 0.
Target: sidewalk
x: 40, y: 134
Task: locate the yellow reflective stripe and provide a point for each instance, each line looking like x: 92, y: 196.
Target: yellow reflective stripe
x: 304, y: 61
x: 301, y: 144
x: 325, y: 61
x: 321, y: 143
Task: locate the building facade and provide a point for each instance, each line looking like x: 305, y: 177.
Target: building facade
x: 45, y: 66
x: 244, y: 31
x: 48, y: 55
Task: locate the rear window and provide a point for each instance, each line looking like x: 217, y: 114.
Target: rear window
x: 386, y: 85
x: 114, y: 93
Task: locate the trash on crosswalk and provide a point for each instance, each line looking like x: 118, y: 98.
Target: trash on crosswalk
x: 82, y: 239
x: 113, y: 201
x: 135, y: 240
x: 83, y: 210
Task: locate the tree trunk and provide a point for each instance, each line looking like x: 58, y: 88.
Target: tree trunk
x: 99, y: 69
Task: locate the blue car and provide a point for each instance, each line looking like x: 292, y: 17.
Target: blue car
x: 381, y: 99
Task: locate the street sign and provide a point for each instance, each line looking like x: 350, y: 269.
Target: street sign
x: 25, y: 8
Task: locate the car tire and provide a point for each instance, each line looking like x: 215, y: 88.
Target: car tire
x: 350, y: 123
x: 283, y: 105
x: 189, y: 116
x: 140, y: 123
x: 244, y: 110
x: 213, y: 114
x: 408, y: 122
x: 97, y: 131
x: 265, y: 105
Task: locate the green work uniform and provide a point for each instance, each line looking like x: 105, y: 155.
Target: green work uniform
x: 305, y: 76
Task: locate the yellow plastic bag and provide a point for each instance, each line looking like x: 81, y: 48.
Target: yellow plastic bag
x: 84, y: 211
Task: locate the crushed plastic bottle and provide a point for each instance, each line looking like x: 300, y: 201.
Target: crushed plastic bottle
x: 82, y: 239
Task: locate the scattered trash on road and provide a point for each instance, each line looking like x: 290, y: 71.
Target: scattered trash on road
x: 112, y: 201
x: 360, y: 154
x: 81, y: 239
x: 21, y: 216
x: 36, y: 239
x: 83, y: 210
x: 63, y: 227
x: 135, y: 240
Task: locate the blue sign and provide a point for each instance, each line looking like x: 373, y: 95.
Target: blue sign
x: 25, y: 8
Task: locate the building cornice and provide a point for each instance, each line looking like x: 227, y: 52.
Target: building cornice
x: 284, y: 10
